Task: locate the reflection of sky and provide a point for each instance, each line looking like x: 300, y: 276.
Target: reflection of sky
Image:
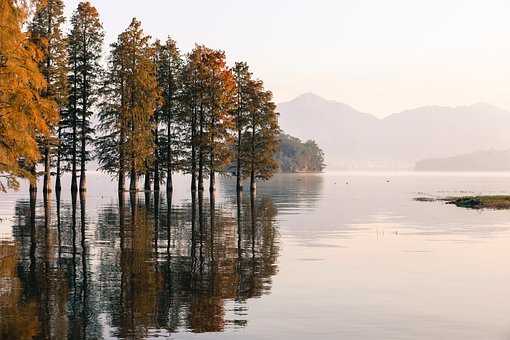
x: 358, y: 257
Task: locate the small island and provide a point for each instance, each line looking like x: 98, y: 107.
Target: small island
x: 496, y: 202
x: 481, y: 202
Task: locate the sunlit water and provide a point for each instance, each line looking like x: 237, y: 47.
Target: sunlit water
x: 330, y: 256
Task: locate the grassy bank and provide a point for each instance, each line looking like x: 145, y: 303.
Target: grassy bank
x: 481, y: 202
x: 498, y: 202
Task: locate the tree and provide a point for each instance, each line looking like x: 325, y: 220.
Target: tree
x: 261, y: 135
x: 85, y: 45
x: 208, y: 93
x: 46, y: 33
x: 243, y: 79
x: 169, y: 149
x: 190, y: 101
x: 132, y: 98
x: 219, y: 102
x: 24, y: 112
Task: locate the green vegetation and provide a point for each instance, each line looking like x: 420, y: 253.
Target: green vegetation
x: 473, y: 202
x: 481, y: 202
x: 297, y: 156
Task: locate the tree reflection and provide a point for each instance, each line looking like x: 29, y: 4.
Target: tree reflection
x: 179, y: 265
x: 147, y: 265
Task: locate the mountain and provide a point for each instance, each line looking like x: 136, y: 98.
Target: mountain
x: 490, y: 160
x: 353, y: 139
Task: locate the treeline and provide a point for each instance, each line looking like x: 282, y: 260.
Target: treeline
x: 297, y: 156
x: 158, y: 111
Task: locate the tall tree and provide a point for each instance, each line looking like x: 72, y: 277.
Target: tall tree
x: 219, y: 102
x: 85, y: 45
x: 169, y: 148
x: 243, y: 79
x: 209, y: 93
x: 46, y: 32
x: 191, y: 105
x: 24, y: 112
x: 261, y: 135
x: 134, y: 97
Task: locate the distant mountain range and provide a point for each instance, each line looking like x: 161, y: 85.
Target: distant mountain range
x: 357, y: 140
x: 490, y: 160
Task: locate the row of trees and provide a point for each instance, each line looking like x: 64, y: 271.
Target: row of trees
x: 158, y: 111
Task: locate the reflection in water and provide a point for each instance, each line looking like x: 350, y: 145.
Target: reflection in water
x: 145, y: 267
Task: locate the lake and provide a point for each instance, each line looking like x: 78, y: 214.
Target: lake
x: 325, y: 256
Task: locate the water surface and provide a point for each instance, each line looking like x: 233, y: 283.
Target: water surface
x: 329, y: 256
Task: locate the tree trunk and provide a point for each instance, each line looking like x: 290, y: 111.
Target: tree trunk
x: 253, y: 185
x: 212, y: 220
x: 168, y: 223
x: 169, y: 184
x: 122, y: 160
x: 212, y: 181
x: 212, y: 177
x: 133, y: 185
x: 83, y: 159
x: 239, y: 224
x: 47, y: 169
x: 47, y: 166
x: 122, y: 139
x: 252, y: 170
x: 33, y: 183
x: 74, y: 182
x: 238, y: 166
x: 193, y: 151
x: 147, y: 182
x: 58, y: 185
x: 122, y: 180
x: 201, y: 153
x: 156, y: 155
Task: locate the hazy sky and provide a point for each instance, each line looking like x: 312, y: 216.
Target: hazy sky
x: 378, y: 56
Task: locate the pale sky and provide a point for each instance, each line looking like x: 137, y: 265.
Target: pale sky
x: 377, y: 56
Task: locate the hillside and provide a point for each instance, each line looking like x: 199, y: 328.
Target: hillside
x: 295, y: 155
x: 352, y: 139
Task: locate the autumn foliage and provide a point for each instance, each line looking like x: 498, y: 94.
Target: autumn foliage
x: 151, y: 111
x: 24, y: 112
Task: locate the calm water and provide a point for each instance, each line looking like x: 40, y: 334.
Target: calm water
x: 331, y: 256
